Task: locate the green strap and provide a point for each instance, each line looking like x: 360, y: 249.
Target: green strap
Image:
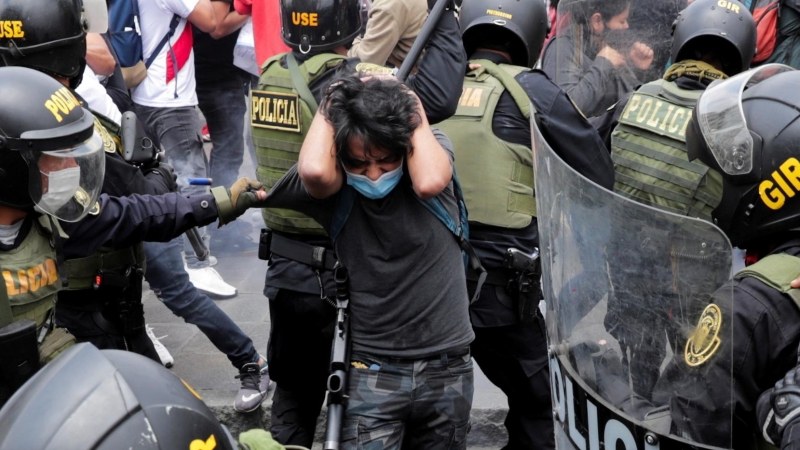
x: 90, y: 265
x: 683, y: 163
x: 653, y: 172
x: 300, y: 84
x: 523, y: 204
x: 522, y: 174
x: 510, y: 83
x: 776, y: 271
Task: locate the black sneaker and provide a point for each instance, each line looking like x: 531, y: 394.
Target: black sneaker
x: 255, y: 384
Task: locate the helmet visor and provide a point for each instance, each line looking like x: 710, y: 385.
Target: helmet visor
x: 66, y: 183
x: 722, y: 122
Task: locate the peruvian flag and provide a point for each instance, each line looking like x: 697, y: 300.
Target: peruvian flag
x: 182, y: 49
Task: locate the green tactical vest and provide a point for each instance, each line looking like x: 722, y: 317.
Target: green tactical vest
x: 30, y: 275
x: 280, y: 120
x: 648, y: 148
x: 496, y: 176
x: 80, y: 272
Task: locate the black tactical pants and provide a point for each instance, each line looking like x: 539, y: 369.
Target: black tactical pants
x: 514, y: 358
x: 299, y: 353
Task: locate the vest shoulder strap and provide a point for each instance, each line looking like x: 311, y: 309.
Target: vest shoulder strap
x: 506, y: 75
x: 47, y: 225
x: 776, y: 271
x: 273, y: 74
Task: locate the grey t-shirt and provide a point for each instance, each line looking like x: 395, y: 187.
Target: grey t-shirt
x: 408, y: 296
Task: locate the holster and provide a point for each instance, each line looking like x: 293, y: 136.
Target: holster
x: 529, y: 294
x: 19, y: 354
x: 131, y: 309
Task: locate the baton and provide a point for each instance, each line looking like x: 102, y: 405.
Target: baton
x: 198, y: 245
x: 422, y: 39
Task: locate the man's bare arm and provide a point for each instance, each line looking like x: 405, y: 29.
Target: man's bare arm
x: 227, y: 21
x: 316, y: 165
x: 204, y: 17
x: 98, y: 56
x: 429, y: 166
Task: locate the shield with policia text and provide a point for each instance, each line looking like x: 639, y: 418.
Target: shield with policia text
x: 638, y: 324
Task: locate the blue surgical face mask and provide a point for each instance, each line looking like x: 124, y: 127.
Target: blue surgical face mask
x: 378, y: 188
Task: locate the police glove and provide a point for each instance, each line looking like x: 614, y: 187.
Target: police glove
x: 234, y: 201
x: 163, y: 174
x: 778, y: 412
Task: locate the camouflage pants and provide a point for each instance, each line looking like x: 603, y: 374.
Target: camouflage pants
x: 408, y: 404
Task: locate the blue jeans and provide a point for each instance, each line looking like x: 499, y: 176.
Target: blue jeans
x: 178, y: 131
x: 171, y: 284
x: 223, y: 104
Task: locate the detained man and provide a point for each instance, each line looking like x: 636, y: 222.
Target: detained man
x: 371, y: 150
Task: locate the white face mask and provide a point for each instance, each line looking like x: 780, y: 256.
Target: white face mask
x: 62, y: 185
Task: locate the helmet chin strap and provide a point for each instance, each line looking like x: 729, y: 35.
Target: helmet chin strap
x: 75, y: 81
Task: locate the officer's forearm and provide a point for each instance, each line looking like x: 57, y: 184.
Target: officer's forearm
x: 123, y: 221
x: 441, y: 72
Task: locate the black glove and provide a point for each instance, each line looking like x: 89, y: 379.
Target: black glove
x: 167, y: 174
x: 778, y: 412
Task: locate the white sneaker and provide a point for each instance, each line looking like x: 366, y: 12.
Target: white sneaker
x: 163, y: 353
x: 212, y: 260
x: 208, y: 280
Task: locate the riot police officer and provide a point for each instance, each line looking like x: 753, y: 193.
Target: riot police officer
x: 747, y: 129
x: 491, y: 138
x: 51, y: 167
x: 283, y: 107
x: 646, y: 134
x: 102, y: 300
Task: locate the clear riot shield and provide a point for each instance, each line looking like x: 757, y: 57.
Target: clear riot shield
x: 638, y: 328
x: 603, y: 49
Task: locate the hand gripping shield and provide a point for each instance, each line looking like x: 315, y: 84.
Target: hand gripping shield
x: 638, y: 323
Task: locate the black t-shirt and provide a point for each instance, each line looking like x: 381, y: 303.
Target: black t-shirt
x: 408, y: 295
x: 213, y: 58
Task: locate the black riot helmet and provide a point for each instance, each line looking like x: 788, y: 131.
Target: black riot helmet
x: 313, y: 26
x: 50, y: 35
x: 110, y: 399
x: 748, y: 128
x: 50, y: 154
x: 724, y: 27
x: 519, y: 26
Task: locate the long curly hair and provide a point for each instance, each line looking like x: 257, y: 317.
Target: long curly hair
x: 380, y: 112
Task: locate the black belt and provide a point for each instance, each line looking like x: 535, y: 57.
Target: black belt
x: 317, y: 257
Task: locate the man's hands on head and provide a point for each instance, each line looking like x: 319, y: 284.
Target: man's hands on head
x: 234, y: 201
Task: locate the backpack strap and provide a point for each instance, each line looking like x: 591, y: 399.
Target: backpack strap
x: 173, y: 25
x: 460, y: 231
x: 776, y: 271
